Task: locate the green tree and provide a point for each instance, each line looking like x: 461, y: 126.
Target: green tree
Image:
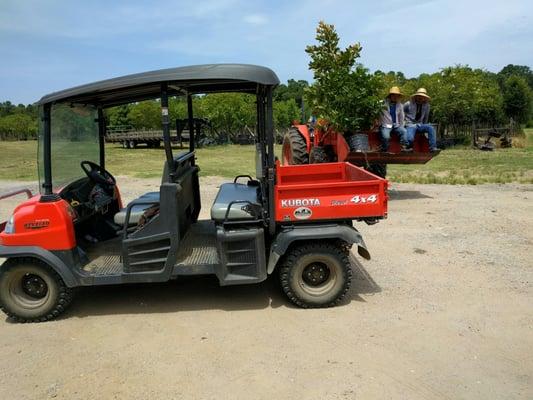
x: 146, y: 115
x: 517, y: 99
x: 228, y: 112
x: 344, y: 92
x: 516, y: 70
x: 285, y: 112
x: 18, y: 127
x: 118, y: 115
x: 460, y: 96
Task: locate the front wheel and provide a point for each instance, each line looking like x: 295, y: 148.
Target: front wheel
x: 31, y: 291
x: 316, y: 274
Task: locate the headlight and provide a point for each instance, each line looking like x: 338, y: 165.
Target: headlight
x: 10, y: 226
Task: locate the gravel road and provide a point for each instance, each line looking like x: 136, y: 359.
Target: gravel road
x: 444, y: 310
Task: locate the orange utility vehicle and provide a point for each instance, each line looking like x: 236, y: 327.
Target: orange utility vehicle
x: 77, y: 231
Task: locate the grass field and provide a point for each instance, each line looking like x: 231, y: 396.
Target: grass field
x: 455, y: 166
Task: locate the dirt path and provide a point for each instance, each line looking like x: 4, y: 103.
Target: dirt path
x: 443, y: 311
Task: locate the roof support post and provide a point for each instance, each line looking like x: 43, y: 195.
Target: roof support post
x: 269, y: 137
x: 166, y: 127
x: 191, y: 122
x: 101, y: 136
x: 47, y: 150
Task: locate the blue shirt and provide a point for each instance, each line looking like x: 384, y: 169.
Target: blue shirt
x: 392, y: 110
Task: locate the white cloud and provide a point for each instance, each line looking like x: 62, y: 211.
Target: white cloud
x: 256, y: 19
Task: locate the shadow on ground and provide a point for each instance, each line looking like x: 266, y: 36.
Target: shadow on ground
x: 196, y: 294
x: 395, y: 194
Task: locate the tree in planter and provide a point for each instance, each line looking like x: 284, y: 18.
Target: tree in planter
x: 344, y: 92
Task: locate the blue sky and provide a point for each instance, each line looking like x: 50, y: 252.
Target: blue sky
x: 54, y: 44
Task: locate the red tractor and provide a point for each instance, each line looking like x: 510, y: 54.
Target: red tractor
x: 304, y: 144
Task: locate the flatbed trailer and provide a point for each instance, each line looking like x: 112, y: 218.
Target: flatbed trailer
x: 130, y: 138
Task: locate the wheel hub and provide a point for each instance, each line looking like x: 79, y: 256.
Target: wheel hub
x: 34, y: 286
x: 316, y: 274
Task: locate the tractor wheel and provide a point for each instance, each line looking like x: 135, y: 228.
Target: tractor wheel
x: 316, y: 275
x: 294, y: 150
x: 318, y: 155
x: 30, y: 291
x: 378, y: 169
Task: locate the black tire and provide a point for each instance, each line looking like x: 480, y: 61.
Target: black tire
x: 378, y: 169
x: 316, y: 274
x: 132, y: 144
x: 30, y: 291
x: 318, y: 155
x: 125, y: 144
x: 294, y: 150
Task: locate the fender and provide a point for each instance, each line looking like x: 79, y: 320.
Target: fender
x: 44, y: 255
x: 314, y: 232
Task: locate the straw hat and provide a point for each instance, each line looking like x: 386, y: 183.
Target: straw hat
x: 422, y: 92
x: 395, y: 90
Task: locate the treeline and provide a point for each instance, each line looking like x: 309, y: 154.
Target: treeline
x: 461, y: 96
x: 228, y: 112
x: 18, y: 122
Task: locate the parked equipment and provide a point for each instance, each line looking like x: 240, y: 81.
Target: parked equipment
x: 303, y: 145
x: 77, y: 232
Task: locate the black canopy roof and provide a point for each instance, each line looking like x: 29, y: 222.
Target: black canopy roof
x: 193, y: 79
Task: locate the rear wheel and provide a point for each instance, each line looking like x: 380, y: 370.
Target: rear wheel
x: 294, y: 150
x: 125, y: 144
x: 316, y: 274
x: 30, y: 291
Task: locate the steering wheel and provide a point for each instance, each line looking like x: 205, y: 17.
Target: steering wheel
x: 98, y: 175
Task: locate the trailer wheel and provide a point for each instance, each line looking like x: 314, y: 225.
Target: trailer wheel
x: 316, y: 275
x: 30, y: 291
x: 125, y: 144
x: 294, y: 149
x: 132, y: 144
x: 378, y: 169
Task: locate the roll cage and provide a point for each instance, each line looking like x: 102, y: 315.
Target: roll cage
x: 181, y: 81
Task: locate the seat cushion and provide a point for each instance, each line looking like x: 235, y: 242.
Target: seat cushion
x: 137, y: 211
x: 229, y: 192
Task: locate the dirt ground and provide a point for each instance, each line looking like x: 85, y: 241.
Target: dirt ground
x: 444, y: 310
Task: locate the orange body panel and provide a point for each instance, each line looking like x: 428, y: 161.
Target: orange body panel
x: 48, y: 225
x: 328, y: 191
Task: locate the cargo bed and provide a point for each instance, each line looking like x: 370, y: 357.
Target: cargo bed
x: 328, y: 191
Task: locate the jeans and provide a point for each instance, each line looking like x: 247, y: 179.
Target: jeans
x: 384, y: 133
x: 422, y: 128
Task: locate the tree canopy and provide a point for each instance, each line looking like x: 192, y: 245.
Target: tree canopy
x: 344, y: 92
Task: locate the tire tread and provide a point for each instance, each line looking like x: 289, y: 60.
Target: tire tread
x: 337, y: 249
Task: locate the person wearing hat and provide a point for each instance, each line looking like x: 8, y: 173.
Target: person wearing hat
x: 417, y: 116
x: 392, y: 120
